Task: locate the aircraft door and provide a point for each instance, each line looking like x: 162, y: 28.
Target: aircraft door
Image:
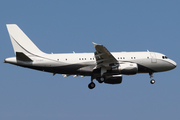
x: 153, y: 57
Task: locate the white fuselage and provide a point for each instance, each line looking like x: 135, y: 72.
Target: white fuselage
x: 149, y: 60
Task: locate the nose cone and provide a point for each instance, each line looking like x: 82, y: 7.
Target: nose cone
x: 174, y: 64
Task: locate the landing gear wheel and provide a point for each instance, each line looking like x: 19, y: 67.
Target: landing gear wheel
x: 91, y: 85
x: 101, y: 79
x: 152, y: 81
x: 151, y: 76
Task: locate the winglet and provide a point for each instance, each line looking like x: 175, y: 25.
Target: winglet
x: 94, y: 44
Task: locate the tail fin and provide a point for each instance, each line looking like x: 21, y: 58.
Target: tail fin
x: 21, y: 42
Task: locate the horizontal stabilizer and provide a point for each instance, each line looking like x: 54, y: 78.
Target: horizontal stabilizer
x: 22, y: 57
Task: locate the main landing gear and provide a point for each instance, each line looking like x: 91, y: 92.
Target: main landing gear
x: 152, y: 80
x: 100, y: 79
x: 92, y: 84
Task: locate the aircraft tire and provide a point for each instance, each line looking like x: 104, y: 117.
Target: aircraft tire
x: 152, y: 81
x: 101, y: 79
x: 91, y: 85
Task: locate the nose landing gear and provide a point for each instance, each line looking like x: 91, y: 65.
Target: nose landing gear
x: 152, y: 80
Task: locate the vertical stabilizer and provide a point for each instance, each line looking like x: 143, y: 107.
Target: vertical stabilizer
x: 21, y: 42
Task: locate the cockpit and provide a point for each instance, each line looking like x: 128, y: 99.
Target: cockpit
x: 164, y: 57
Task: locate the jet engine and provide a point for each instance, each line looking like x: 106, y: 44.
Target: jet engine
x: 113, y: 79
x: 125, y: 68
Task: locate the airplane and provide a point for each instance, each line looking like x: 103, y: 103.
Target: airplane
x: 102, y: 65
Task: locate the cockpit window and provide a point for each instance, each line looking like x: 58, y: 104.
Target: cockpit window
x: 164, y: 57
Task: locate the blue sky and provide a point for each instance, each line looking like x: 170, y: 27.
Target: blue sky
x: 65, y: 26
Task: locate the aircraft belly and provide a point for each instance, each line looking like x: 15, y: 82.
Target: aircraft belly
x: 144, y: 66
x: 144, y: 69
x: 75, y: 69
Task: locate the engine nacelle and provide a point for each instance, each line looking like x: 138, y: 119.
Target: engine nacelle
x: 114, y: 79
x: 126, y: 68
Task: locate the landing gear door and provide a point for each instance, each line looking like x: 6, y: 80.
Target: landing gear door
x: 153, y: 57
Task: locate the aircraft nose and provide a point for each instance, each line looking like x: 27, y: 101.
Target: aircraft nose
x: 174, y: 64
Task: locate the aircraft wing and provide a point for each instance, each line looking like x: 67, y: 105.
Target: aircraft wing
x: 103, y: 57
